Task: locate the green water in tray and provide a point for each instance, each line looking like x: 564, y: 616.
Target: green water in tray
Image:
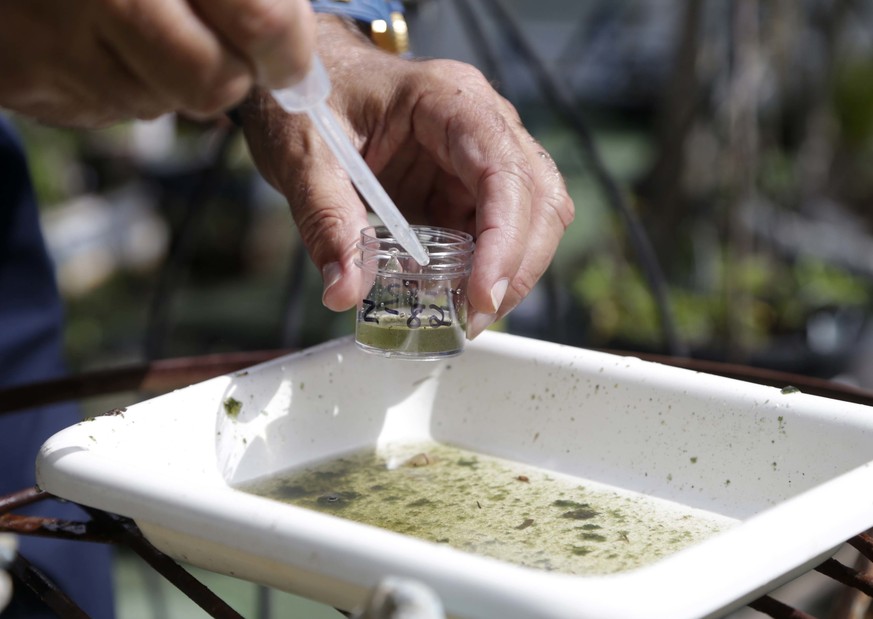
x: 495, y: 507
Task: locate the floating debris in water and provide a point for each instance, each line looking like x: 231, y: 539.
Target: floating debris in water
x: 475, y: 503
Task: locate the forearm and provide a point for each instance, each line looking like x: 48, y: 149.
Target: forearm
x: 339, y: 36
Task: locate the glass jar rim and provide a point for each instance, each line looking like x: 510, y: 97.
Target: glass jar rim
x: 449, y: 251
x: 443, y: 239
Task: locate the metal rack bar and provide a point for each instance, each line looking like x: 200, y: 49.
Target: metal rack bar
x: 104, y: 528
x: 847, y: 576
x: 20, y: 499
x: 55, y: 528
x: 47, y: 591
x: 863, y: 543
x: 128, y: 533
x: 157, y: 376
x: 776, y: 609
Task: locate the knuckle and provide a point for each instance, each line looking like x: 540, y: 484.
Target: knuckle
x: 320, y: 228
x: 567, y: 212
x: 553, y: 191
x: 273, y: 35
x: 449, y: 77
x: 262, y: 20
x: 512, y: 235
x: 458, y: 71
x: 141, y: 107
x: 522, y: 284
x: 213, y: 95
x: 520, y: 174
x: 150, y: 114
x: 560, y: 207
x: 118, y: 8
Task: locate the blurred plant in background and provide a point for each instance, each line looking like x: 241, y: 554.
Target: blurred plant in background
x: 115, y: 203
x: 784, y: 298
x: 751, y: 181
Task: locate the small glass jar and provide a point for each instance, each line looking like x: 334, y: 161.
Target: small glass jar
x: 411, y: 311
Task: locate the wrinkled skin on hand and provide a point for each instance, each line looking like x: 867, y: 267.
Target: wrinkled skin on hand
x: 448, y: 149
x: 90, y: 63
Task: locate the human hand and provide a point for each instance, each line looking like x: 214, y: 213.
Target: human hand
x: 449, y: 150
x: 94, y: 62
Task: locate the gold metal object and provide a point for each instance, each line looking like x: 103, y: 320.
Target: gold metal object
x: 393, y: 36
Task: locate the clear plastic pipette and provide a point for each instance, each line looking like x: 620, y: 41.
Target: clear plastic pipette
x: 310, y: 96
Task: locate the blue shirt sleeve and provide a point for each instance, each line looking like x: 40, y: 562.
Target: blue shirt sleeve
x: 31, y: 349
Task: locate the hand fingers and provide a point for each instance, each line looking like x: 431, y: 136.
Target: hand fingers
x: 327, y: 210
x: 522, y: 205
x: 455, y: 155
x: 93, y: 90
x: 275, y: 36
x: 552, y: 212
x: 122, y: 95
x: 58, y: 68
x: 472, y: 131
x: 167, y: 46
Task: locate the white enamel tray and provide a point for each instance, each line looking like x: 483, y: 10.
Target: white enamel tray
x: 792, y: 469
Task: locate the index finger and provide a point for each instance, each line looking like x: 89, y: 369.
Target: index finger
x: 277, y: 37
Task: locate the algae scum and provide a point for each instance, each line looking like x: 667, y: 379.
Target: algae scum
x: 495, y: 507
x: 400, y: 338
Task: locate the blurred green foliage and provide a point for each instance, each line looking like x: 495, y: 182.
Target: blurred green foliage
x: 769, y: 297
x: 853, y: 100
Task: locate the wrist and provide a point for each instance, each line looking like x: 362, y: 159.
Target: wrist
x: 336, y: 32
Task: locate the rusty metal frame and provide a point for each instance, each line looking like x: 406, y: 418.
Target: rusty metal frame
x: 165, y: 375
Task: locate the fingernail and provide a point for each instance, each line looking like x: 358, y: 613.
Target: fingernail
x: 477, y: 323
x: 331, y: 274
x: 498, y: 291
